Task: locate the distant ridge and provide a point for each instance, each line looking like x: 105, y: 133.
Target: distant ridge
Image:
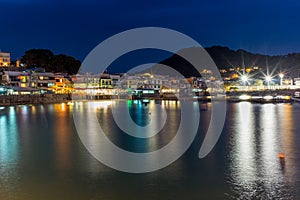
x: 226, y: 58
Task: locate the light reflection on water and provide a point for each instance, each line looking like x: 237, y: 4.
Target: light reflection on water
x: 270, y: 137
x: 244, y: 147
x: 41, y: 156
x: 9, y: 152
x: 260, y: 132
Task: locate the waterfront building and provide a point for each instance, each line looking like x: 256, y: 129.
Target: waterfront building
x: 16, y: 82
x: 105, y: 81
x: 198, y: 85
x: 92, y: 86
x: 145, y: 84
x: 93, y: 81
x: 129, y: 82
x: 62, y: 85
x: 4, y: 59
x: 15, y: 78
x: 115, y: 79
x: 80, y: 81
x: 297, y: 81
x: 41, y: 80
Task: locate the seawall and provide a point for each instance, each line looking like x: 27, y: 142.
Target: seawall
x: 7, y: 100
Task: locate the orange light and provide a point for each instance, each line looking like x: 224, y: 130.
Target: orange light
x: 281, y: 156
x: 248, y: 70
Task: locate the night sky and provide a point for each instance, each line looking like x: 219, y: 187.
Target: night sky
x: 76, y: 27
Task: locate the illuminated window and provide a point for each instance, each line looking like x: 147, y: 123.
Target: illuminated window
x: 23, y: 79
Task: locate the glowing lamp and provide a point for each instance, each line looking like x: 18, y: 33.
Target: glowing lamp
x: 244, y: 97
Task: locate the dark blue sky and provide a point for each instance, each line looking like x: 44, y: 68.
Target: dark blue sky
x: 76, y: 27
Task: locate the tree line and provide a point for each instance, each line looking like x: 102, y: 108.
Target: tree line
x: 44, y: 58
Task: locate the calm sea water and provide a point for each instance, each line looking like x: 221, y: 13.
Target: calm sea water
x: 42, y: 157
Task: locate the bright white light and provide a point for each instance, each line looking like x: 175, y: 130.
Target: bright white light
x: 268, y: 78
x: 244, y: 97
x: 283, y: 97
x: 279, y: 97
x: 268, y: 97
x: 281, y: 75
x: 244, y: 78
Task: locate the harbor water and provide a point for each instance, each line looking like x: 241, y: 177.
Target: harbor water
x: 42, y: 156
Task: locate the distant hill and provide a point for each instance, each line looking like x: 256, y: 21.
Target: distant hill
x: 225, y: 58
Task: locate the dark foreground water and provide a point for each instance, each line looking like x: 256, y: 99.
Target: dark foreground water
x: 42, y: 157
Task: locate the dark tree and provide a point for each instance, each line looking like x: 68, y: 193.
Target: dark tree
x: 64, y: 63
x: 37, y: 58
x: 44, y: 58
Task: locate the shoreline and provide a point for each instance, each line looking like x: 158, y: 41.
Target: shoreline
x: 35, y: 99
x: 40, y: 99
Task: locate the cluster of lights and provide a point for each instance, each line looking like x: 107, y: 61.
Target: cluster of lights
x: 268, y: 78
x: 267, y: 97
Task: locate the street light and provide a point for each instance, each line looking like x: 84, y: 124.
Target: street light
x: 268, y: 80
x: 281, y: 75
x: 244, y: 79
